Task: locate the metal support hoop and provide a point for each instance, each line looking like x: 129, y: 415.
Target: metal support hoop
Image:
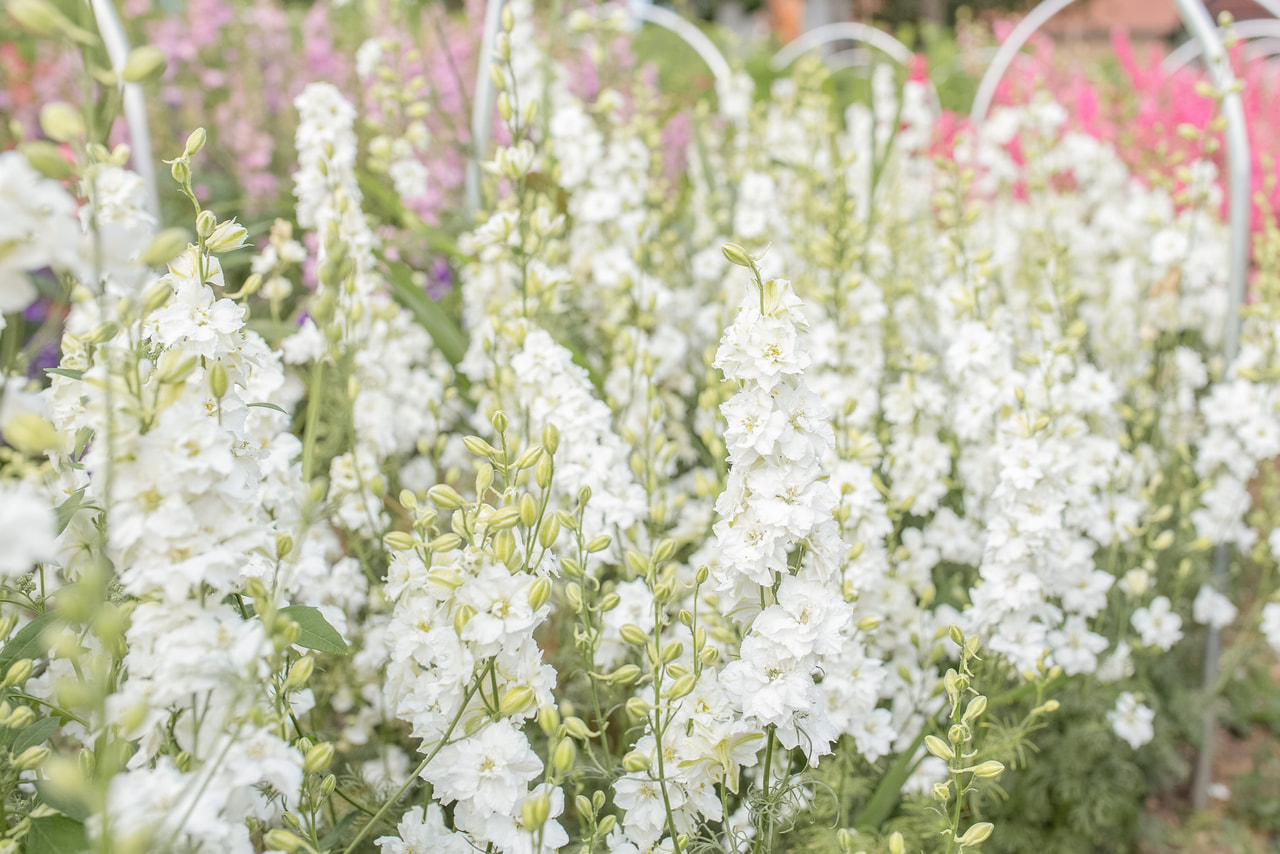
x: 1239, y: 169
x: 482, y: 105
x: 134, y: 99
x: 689, y: 34
x: 849, y: 31
x: 1189, y: 51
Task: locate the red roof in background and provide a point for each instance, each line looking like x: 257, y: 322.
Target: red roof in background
x: 1147, y: 17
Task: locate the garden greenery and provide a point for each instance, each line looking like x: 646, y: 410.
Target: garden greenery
x: 780, y: 489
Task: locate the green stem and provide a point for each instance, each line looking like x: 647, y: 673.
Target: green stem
x: 313, y: 421
x: 444, y: 739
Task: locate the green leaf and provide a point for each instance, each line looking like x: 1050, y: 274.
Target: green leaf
x: 27, y: 643
x: 35, y: 733
x: 69, y: 508
x: 429, y: 313
x: 70, y: 373
x: 56, y: 834
x: 270, y: 406
x: 316, y: 632
x: 50, y: 796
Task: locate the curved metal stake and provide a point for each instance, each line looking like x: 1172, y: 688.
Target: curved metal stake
x: 1239, y: 168
x: 1187, y: 52
x: 1007, y: 52
x: 135, y: 101
x: 849, y: 31
x: 482, y: 105
x: 691, y: 35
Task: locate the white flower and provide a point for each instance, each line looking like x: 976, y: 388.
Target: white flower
x: 1132, y: 721
x: 1212, y: 609
x: 1271, y: 624
x: 423, y: 832
x: 26, y: 529
x: 491, y: 769
x: 1157, y: 624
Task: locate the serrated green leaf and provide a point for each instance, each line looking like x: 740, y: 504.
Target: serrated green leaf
x: 430, y: 315
x: 270, y: 406
x: 27, y: 643
x: 35, y: 733
x: 50, y: 796
x: 316, y: 632
x: 56, y: 834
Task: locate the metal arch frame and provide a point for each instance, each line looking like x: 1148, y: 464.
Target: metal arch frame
x: 850, y: 31
x: 1239, y: 169
x: 689, y: 34
x: 482, y: 106
x: 842, y: 31
x: 133, y: 98
x: 1188, y: 52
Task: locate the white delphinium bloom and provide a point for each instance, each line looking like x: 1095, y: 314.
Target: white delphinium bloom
x: 491, y: 769
x: 37, y: 229
x: 1212, y: 609
x: 1132, y: 721
x: 1157, y: 624
x: 27, y: 528
x: 423, y: 832
x: 773, y: 505
x: 1270, y: 625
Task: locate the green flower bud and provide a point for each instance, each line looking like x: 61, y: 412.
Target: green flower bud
x: 635, y: 762
x: 168, y: 244
x: 18, y: 673
x: 145, y: 64
x: 515, y: 701
x: 318, y: 758
x: 633, y: 634
x: 625, y: 675
x: 283, y: 840
x: 298, y: 674
x: 566, y: 754
x: 446, y: 497
x: 46, y: 159
x: 534, y: 812
x: 976, y: 835
x: 548, y: 719
x: 218, y: 380
x: 939, y: 748
x: 61, y: 122
x: 735, y: 254
x: 399, y: 541
x: 539, y: 593
x: 31, y: 758
x: 195, y: 142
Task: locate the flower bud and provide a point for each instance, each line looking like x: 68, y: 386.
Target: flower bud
x: 195, y: 142
x: 61, y: 122
x: 46, y: 159
x: 218, y: 380
x: 18, y: 673
x: 535, y: 811
x: 543, y: 473
x: 206, y: 222
x: 31, y: 758
x: 181, y: 172
x: 398, y: 541
x: 145, y: 64
x: 318, y: 758
x: 976, y: 834
x: 38, y: 16
x: 515, y: 701
x: 974, y: 710
x: 548, y: 719
x: 897, y: 845
x: 625, y: 675
x: 282, y: 840
x: 168, y: 244
x: 939, y: 748
x: 610, y: 601
x: 942, y: 791
x: 298, y: 674
x: 539, y: 593
x: 577, y: 728
x: 462, y: 617
x: 566, y: 754
x: 446, y: 497
x: 30, y: 433
x: 681, y: 687
x: 635, y: 762
x: 735, y: 254
x: 633, y: 634
x: 637, y: 708
x: 990, y: 768
x: 599, y: 544
x: 20, y: 718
